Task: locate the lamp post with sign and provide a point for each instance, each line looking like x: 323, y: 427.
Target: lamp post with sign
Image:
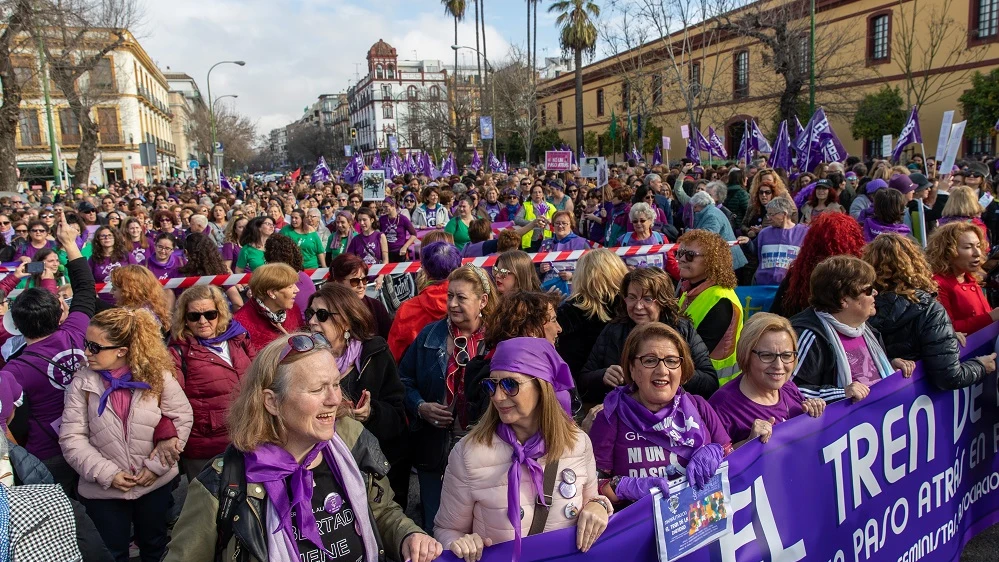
x: 211, y: 112
x: 492, y: 83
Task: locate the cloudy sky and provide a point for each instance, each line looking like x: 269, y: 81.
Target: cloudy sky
x: 296, y: 50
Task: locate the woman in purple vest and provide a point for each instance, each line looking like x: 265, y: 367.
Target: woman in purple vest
x: 675, y: 433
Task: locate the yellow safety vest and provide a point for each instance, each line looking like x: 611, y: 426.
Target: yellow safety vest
x: 529, y: 215
x: 728, y: 367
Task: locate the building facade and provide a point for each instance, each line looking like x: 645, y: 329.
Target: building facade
x: 725, y: 79
x: 133, y: 106
x: 185, y: 103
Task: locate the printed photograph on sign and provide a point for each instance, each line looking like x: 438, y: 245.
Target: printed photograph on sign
x: 688, y: 519
x: 589, y: 166
x: 373, y: 185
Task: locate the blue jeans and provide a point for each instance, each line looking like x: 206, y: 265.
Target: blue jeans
x: 431, y: 484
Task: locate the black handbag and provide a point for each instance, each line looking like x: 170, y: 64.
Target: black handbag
x: 431, y: 447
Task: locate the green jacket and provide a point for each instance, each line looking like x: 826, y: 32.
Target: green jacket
x: 737, y: 201
x: 195, y: 534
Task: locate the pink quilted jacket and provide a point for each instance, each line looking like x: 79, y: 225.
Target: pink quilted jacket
x: 475, y: 485
x: 95, y: 446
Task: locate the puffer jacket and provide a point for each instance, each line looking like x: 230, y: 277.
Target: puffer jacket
x: 262, y: 331
x: 96, y: 446
x: 921, y: 331
x: 607, y: 352
x: 414, y: 315
x: 474, y: 497
x: 195, y: 533
x: 210, y: 384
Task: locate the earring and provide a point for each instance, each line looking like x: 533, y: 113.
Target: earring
x: 346, y: 335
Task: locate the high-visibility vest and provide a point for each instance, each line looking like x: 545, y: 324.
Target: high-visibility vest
x: 727, y: 367
x: 529, y: 215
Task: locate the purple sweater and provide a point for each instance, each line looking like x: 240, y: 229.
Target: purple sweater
x: 776, y: 249
x: 738, y: 412
x: 872, y: 228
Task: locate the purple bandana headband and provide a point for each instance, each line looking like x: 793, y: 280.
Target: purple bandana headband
x: 536, y: 357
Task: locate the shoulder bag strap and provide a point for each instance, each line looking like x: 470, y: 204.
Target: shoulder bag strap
x: 232, y: 493
x: 541, y: 510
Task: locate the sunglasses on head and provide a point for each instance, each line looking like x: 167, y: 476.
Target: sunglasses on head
x: 196, y: 316
x: 95, y: 348
x: 300, y: 343
x: 321, y: 314
x: 510, y: 386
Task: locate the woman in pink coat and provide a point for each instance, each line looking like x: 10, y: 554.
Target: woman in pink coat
x: 496, y: 473
x: 124, y: 424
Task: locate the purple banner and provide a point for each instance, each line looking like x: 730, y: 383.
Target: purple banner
x: 909, y: 473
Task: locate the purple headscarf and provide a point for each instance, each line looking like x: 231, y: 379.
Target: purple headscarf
x: 536, y: 357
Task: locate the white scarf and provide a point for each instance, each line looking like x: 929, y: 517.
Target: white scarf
x: 834, y: 327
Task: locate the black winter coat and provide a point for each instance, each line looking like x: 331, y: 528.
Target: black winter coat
x: 607, y: 352
x: 380, y: 376
x: 579, y: 333
x: 922, y: 331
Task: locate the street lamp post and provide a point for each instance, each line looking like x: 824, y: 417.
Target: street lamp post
x: 492, y: 86
x: 211, y: 110
x: 220, y: 98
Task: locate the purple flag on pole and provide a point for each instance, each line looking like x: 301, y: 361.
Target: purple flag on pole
x: 409, y: 166
x: 716, y: 147
x: 781, y: 155
x: 634, y: 155
x: 224, y: 183
x: 376, y: 162
x: 702, y: 143
x: 506, y: 167
x: 448, y: 167
x: 692, y: 154
x: 657, y: 156
x: 352, y: 173
x: 910, y: 134
x: 759, y: 142
x: 476, y: 163
x: 494, y: 163
x: 322, y: 171
x: 745, y: 146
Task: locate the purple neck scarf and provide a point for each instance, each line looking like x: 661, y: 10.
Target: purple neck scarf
x: 124, y: 382
x: 676, y: 427
x: 234, y: 329
x: 272, y: 466
x: 351, y: 354
x: 523, y: 455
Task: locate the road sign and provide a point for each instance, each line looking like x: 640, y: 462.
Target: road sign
x: 353, y: 133
x: 348, y: 150
x: 486, y: 127
x: 218, y: 146
x: 194, y: 164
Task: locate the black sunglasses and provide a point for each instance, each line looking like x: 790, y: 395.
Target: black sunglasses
x: 321, y: 314
x: 300, y: 343
x: 95, y: 348
x: 509, y: 385
x: 196, y: 316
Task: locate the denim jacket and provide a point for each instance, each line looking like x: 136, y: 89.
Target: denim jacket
x: 423, y: 369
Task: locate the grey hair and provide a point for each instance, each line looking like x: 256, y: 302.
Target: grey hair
x: 781, y: 205
x: 701, y: 199
x: 718, y: 190
x: 641, y: 209
x: 201, y: 220
x: 651, y: 178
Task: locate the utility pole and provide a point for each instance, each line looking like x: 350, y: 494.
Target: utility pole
x: 811, y: 63
x: 56, y: 174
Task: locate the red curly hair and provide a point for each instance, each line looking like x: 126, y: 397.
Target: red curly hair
x: 831, y: 234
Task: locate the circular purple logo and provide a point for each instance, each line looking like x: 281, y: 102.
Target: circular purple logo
x: 333, y: 503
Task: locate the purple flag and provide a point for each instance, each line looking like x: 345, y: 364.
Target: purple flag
x: 494, y: 163
x: 657, y: 156
x: 745, y: 146
x: 322, y: 172
x: 997, y: 125
x: 448, y: 167
x: 781, y: 155
x: 759, y: 142
x: 409, y: 166
x: 355, y: 168
x: 910, y: 134
x: 224, y: 183
x: 506, y: 167
x: 716, y: 147
x: 702, y: 143
x: 692, y: 154
x: 634, y: 155
x: 819, y: 143
x: 425, y: 166
x: 376, y: 161
x: 476, y: 163
x: 582, y: 153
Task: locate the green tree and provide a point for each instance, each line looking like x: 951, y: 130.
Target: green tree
x: 590, y: 142
x: 577, y: 34
x: 546, y: 139
x: 980, y: 104
x: 653, y: 138
x: 455, y: 9
x: 879, y: 114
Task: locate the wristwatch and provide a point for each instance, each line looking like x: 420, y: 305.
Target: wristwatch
x: 604, y: 503
x: 614, y: 482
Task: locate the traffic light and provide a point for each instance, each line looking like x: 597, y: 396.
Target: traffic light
x: 353, y: 133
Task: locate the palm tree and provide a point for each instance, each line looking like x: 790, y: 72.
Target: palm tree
x: 577, y: 33
x: 455, y: 9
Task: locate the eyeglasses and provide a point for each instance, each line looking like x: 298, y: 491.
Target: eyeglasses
x: 652, y: 361
x: 868, y: 290
x: 38, y: 231
x: 20, y: 230
x: 461, y: 345
x: 647, y: 301
x: 196, y: 316
x: 502, y: 273
x: 639, y: 221
x: 510, y: 386
x: 687, y: 255
x: 321, y: 314
x: 95, y: 348
x: 108, y: 236
x: 164, y: 248
x: 5, y: 223
x: 766, y: 192
x: 561, y: 223
x: 48, y: 216
x: 786, y: 357
x: 300, y: 343
x: 327, y: 207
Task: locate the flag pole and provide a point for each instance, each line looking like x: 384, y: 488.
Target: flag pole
x: 926, y: 169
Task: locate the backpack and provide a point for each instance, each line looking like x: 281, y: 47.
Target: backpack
x: 232, y: 494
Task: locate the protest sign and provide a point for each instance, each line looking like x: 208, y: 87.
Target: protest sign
x: 685, y: 131
x: 909, y: 473
x: 886, y: 145
x: 589, y: 166
x: 373, y: 185
x: 948, y: 120
x: 953, y: 145
x: 558, y: 160
x: 666, y: 143
x: 688, y: 519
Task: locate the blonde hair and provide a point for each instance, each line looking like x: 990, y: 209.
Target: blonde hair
x: 179, y: 329
x: 942, y: 246
x: 556, y: 427
x: 962, y: 203
x: 899, y: 265
x: 596, y: 281
x: 272, y: 277
x: 759, y: 325
x: 481, y: 285
x: 138, y: 288
x: 250, y: 424
x: 137, y: 330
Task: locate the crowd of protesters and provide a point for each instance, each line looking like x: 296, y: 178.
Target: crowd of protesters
x: 297, y: 410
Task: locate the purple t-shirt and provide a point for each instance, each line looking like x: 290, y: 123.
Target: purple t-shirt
x: 396, y: 231
x: 29, y: 251
x: 492, y: 209
x: 634, y: 455
x: 230, y: 252
x: 165, y: 270
x: 368, y: 248
x: 862, y: 366
x: 738, y: 412
x: 776, y: 249
x: 139, y: 254
x: 44, y: 384
x: 102, y: 268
